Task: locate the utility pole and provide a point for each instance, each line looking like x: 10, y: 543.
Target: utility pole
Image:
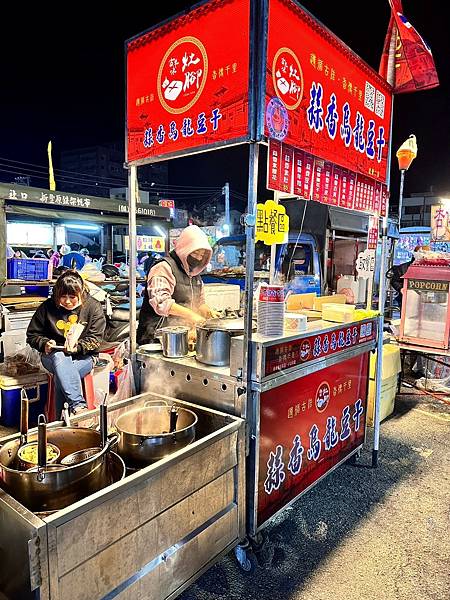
x: 226, y: 193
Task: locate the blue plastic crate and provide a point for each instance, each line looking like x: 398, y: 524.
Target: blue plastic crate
x: 29, y: 269
x: 10, y: 402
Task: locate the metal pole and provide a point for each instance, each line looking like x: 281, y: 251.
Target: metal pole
x: 400, y: 198
x: 273, y: 249
x: 371, y: 278
x: 249, y: 266
x: 381, y: 303
x: 226, y: 193
x: 132, y: 189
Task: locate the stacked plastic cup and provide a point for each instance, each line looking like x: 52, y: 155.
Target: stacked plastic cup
x: 270, y: 310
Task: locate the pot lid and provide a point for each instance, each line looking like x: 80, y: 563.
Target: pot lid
x: 175, y: 329
x: 226, y: 324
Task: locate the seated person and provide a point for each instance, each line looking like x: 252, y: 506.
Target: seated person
x: 51, y: 331
x: 74, y: 259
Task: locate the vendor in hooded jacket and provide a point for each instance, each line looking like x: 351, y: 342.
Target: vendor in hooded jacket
x: 174, y: 293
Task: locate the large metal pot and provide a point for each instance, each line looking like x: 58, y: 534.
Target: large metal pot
x: 53, y: 488
x: 145, y: 434
x: 213, y: 346
x: 174, y: 341
x: 214, y: 339
x: 113, y: 470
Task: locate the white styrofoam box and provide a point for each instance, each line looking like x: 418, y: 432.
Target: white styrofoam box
x: 13, y: 341
x: 222, y: 295
x: 354, y: 290
x: 17, y: 319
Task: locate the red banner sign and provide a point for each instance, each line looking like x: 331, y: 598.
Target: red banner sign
x: 308, y: 426
x: 298, y: 352
x: 287, y: 156
x: 186, y: 88
x: 372, y: 234
x: 303, y: 173
x: 274, y: 166
x: 322, y: 98
x: 298, y: 173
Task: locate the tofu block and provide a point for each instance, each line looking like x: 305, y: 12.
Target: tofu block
x: 335, y: 299
x: 338, y: 313
x: 299, y: 301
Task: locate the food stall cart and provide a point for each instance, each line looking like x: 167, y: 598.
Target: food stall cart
x: 308, y: 390
x: 165, y: 540
x: 304, y: 395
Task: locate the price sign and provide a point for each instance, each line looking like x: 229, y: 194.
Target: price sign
x: 365, y: 263
x: 272, y: 223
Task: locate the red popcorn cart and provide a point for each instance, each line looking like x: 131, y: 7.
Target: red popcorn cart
x: 425, y: 319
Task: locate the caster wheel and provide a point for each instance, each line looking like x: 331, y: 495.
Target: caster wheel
x: 245, y: 558
x: 354, y: 458
x: 257, y: 541
x: 265, y: 554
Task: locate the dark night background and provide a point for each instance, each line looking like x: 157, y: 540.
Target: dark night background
x: 63, y: 79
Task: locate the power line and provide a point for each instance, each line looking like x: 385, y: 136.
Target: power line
x: 44, y: 169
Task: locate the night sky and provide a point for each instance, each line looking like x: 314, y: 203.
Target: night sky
x: 63, y: 79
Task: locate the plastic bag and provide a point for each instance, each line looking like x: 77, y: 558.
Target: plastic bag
x: 126, y: 387
x: 91, y: 272
x: 24, y: 362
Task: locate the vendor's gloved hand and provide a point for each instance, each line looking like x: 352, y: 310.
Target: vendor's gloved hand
x: 197, y: 319
x: 192, y: 338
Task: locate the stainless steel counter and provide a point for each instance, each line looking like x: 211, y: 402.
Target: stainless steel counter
x: 186, y: 378
x: 147, y: 536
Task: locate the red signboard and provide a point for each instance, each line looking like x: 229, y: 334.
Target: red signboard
x: 186, y: 88
x: 326, y: 182
x: 280, y: 357
x: 167, y: 203
x: 307, y: 426
x: 333, y: 105
x: 303, y: 173
x: 372, y: 233
x: 296, y: 172
x: 274, y: 166
x: 287, y: 168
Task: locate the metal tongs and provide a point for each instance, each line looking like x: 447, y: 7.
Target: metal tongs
x: 103, y: 417
x: 173, y: 418
x: 42, y: 447
x: 24, y: 406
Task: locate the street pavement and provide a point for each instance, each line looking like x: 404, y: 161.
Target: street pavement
x: 361, y: 533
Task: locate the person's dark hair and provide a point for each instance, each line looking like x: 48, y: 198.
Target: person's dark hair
x: 75, y: 247
x: 69, y: 283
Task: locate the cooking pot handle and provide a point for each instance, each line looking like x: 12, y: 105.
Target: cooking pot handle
x: 157, y: 402
x: 111, y: 440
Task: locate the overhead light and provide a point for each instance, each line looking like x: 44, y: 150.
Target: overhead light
x: 160, y: 230
x: 82, y: 227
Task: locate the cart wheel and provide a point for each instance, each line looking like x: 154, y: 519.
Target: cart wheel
x: 245, y: 558
x: 354, y: 458
x: 265, y: 554
x: 263, y: 549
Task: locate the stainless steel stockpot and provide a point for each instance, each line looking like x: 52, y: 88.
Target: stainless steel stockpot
x: 145, y: 435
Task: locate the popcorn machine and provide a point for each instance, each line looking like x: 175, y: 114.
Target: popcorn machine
x: 425, y: 319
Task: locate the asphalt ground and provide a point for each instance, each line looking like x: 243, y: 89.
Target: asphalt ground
x: 361, y: 533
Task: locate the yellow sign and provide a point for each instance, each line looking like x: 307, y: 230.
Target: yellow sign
x: 272, y: 223
x: 146, y: 243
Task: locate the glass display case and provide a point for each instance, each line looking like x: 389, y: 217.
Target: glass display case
x: 425, y: 317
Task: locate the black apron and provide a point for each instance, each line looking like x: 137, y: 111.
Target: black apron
x: 187, y: 293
